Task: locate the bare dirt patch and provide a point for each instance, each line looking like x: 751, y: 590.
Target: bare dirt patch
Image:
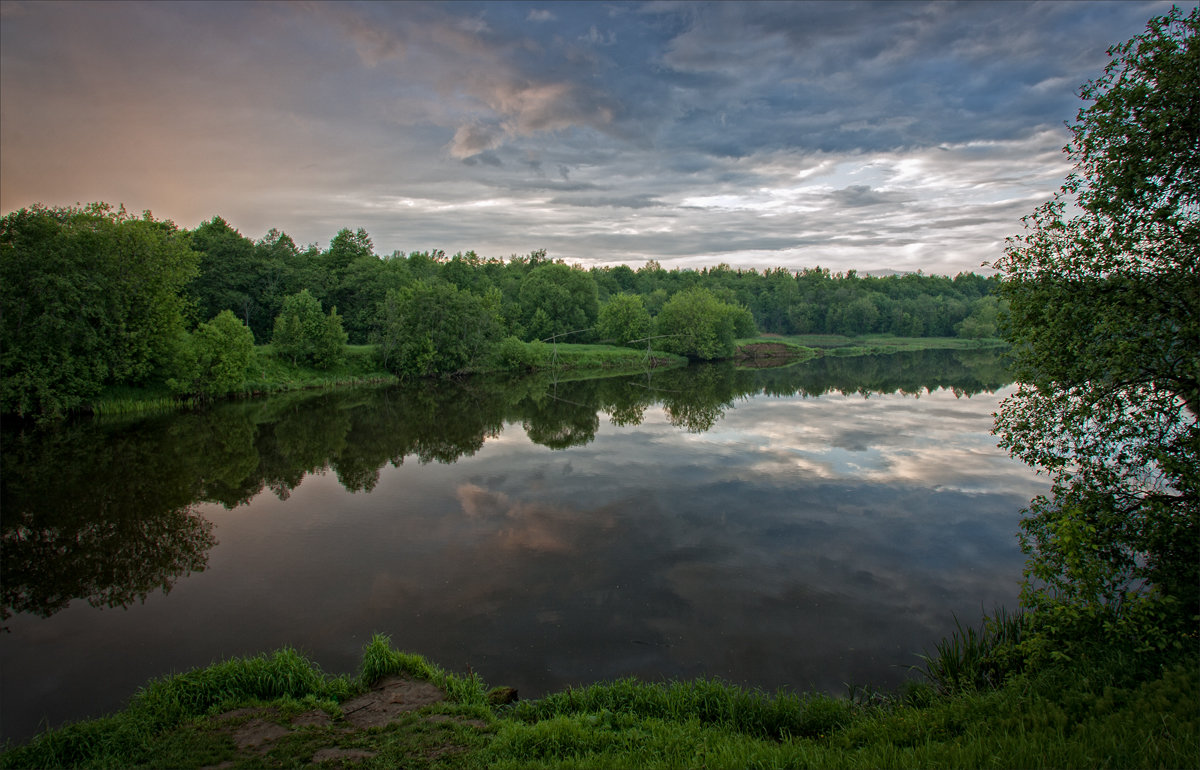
x: 255, y: 731
x: 388, y: 699
x: 761, y: 355
x: 759, y: 349
x: 258, y: 733
x: 342, y: 755
x: 314, y: 718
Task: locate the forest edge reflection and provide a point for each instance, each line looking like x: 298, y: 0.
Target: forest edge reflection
x: 104, y: 511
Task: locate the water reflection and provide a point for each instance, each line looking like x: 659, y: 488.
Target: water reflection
x: 723, y: 522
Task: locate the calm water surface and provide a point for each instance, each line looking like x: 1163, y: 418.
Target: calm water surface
x: 808, y: 528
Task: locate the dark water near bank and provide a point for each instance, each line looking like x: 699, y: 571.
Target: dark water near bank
x: 808, y: 527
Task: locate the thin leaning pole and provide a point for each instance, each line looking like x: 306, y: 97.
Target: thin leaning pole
x: 553, y: 340
x: 647, y: 341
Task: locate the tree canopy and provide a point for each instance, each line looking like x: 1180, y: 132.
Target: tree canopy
x: 89, y: 297
x: 698, y: 325
x: 1103, y: 288
x: 304, y: 333
x: 624, y: 319
x: 434, y: 328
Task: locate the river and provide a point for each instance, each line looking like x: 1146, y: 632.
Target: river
x: 810, y: 527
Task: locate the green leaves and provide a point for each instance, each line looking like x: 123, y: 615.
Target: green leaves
x: 624, y: 318
x: 1103, y: 294
x: 701, y: 326
x: 433, y: 328
x: 223, y: 349
x: 304, y: 333
x: 88, y: 297
x: 555, y: 299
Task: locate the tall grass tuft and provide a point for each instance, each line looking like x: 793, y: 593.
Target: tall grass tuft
x: 128, y: 738
x: 973, y: 658
x: 284, y: 673
x: 124, y: 407
x: 380, y: 660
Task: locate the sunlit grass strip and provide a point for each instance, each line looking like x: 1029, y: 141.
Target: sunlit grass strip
x: 264, y: 387
x: 607, y: 357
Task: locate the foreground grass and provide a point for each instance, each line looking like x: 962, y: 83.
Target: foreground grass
x: 1053, y: 719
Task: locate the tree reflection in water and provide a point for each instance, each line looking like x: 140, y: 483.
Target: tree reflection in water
x: 104, y: 511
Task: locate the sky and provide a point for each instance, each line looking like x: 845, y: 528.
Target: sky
x: 881, y: 137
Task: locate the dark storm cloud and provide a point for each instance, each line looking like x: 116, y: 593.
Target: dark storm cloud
x: 838, y: 76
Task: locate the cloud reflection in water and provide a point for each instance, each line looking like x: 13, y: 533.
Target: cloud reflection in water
x: 803, y: 541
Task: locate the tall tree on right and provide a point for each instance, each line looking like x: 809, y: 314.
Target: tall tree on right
x: 1103, y: 288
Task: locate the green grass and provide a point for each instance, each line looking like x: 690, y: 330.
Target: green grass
x: 868, y: 344
x: 126, y: 401
x: 272, y: 373
x: 269, y: 373
x: 609, y: 358
x: 1054, y: 718
x: 973, y: 658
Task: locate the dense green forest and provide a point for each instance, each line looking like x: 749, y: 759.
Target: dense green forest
x: 92, y: 296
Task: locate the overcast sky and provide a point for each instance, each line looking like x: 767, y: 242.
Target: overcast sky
x: 875, y: 136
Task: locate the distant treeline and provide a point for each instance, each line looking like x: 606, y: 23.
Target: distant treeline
x: 93, y: 296
x: 252, y: 279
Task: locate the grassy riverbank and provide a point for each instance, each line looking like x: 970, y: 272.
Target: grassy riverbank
x: 272, y: 373
x: 604, y: 358
x: 280, y: 710
x: 268, y: 373
x: 874, y: 344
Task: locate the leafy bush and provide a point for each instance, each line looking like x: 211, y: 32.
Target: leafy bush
x: 89, y: 297
x: 698, y: 325
x: 622, y: 319
x: 304, y: 333
x: 214, y: 360
x: 432, y: 328
x: 513, y: 355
